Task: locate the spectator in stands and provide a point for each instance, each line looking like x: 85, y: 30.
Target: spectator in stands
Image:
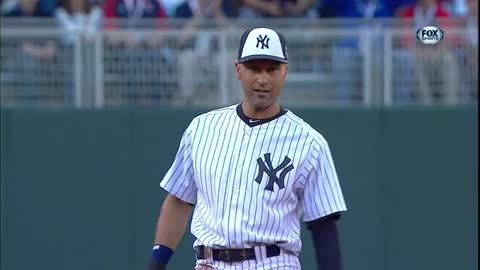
x: 354, y: 8
x: 199, y: 9
x: 467, y: 51
x: 170, y: 6
x: 435, y: 69
x: 146, y: 59
x: 134, y: 9
x: 28, y: 8
x: 131, y: 13
x: 456, y: 7
x: 34, y: 54
x: 360, y: 8
x: 424, y: 12
x: 78, y: 17
x: 198, y: 12
x: 194, y: 47
x: 231, y: 8
x: 471, y: 23
x: 374, y: 9
x: 276, y: 8
x: 80, y: 20
x: 349, y: 50
x: 397, y: 6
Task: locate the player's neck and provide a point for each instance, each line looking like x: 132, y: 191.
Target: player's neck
x: 260, y: 113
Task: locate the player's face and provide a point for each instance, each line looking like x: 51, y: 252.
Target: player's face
x: 262, y: 81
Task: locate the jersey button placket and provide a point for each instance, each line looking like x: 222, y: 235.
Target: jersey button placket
x: 236, y: 187
x: 236, y: 184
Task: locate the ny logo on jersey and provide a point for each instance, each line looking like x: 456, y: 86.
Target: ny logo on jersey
x: 263, y: 41
x: 266, y: 167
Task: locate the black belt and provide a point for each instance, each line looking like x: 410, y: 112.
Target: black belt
x: 235, y: 255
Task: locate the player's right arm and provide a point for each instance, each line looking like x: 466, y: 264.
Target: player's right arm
x: 172, y: 221
x: 179, y: 182
x: 171, y: 226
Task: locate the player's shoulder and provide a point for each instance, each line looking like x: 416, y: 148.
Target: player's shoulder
x: 213, y: 113
x: 207, y: 116
x: 314, y: 135
x: 196, y: 122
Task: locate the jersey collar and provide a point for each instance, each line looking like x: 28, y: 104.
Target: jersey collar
x: 256, y: 122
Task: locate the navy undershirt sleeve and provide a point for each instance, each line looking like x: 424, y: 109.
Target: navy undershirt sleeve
x: 326, y: 242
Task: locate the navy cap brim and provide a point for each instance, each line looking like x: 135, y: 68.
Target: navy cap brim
x: 262, y: 57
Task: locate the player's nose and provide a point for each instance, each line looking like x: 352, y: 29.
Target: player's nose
x: 262, y: 77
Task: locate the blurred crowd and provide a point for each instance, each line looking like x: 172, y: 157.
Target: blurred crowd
x: 88, y: 13
x: 88, y: 16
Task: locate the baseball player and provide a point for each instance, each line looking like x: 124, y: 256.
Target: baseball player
x: 251, y: 172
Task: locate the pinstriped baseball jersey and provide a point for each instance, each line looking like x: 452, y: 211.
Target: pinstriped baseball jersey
x: 253, y: 181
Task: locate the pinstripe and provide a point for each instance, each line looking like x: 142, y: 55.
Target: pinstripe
x: 228, y: 191
x: 216, y: 166
x: 215, y: 160
x: 282, y: 211
x: 279, y: 199
x: 254, y: 186
x: 268, y: 224
x: 258, y: 188
x: 294, y: 157
x: 234, y: 208
x: 332, y: 175
x: 221, y: 210
x: 209, y: 197
x: 261, y: 208
x: 203, y: 138
x: 238, y: 228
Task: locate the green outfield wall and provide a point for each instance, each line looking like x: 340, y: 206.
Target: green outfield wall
x: 80, y: 189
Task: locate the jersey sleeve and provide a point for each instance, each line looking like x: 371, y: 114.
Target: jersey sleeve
x: 180, y: 179
x: 322, y: 194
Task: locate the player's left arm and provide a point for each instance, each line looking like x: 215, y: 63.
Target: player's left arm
x: 326, y: 242
x: 323, y: 201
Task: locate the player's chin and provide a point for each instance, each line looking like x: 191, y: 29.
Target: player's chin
x: 262, y: 103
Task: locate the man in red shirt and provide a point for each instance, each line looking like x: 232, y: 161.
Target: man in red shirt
x: 130, y: 14
x: 423, y: 12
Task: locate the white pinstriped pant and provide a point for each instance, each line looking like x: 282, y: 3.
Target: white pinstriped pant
x: 284, y: 261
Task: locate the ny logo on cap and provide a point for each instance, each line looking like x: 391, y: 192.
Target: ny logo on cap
x: 263, y: 40
x: 272, y: 172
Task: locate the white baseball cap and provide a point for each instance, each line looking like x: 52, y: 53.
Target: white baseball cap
x: 262, y: 43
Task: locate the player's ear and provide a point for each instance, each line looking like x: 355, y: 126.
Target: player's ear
x: 237, y: 70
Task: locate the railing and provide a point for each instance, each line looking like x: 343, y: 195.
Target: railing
x: 333, y: 63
